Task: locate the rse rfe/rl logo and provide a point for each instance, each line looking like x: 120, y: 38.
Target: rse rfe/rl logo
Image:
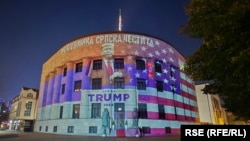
x: 215, y: 132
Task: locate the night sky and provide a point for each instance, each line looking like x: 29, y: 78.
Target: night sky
x: 33, y: 30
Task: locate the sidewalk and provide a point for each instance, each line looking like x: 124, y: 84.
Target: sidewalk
x: 35, y: 136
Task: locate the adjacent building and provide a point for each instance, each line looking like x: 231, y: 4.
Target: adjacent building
x: 210, y: 107
x: 24, y: 110
x: 114, y: 83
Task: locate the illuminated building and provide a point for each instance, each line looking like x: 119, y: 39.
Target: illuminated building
x: 145, y: 76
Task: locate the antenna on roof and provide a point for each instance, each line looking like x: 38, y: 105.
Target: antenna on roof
x: 120, y: 20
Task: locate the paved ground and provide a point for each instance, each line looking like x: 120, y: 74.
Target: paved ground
x: 33, y: 136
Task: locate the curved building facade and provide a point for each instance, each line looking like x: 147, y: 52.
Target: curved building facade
x: 115, y: 84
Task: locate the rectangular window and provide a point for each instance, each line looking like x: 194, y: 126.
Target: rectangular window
x: 92, y: 129
x: 161, y: 112
x: 97, y: 64
x: 119, y: 64
x: 96, y: 110
x: 78, y: 67
x: 70, y: 129
x: 28, y: 107
x: 140, y: 64
x: 167, y: 130
x: 158, y: 67
x: 77, y: 85
x: 146, y: 130
x: 64, y: 71
x: 159, y: 86
x: 40, y: 128
x: 76, y: 111
x: 96, y: 83
x: 119, y: 83
x: 142, y: 110
x: 61, y: 112
x: 141, y: 84
x: 63, y: 89
x: 55, y: 129
x: 46, y: 129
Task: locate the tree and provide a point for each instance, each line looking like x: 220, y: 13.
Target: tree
x: 224, y: 55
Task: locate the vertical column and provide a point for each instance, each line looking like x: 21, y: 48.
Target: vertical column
x: 67, y: 106
x: 56, y: 94
x: 50, y: 88
x: 49, y: 95
x: 42, y: 98
x: 87, y: 68
x: 69, y: 82
x: 85, y: 106
x: 57, y: 85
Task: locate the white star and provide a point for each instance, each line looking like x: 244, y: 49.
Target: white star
x: 164, y: 51
x: 158, y: 74
x: 171, y: 59
x: 172, y: 69
x: 137, y: 75
x: 143, y: 48
x: 171, y: 50
x: 173, y: 79
x: 150, y: 54
x: 165, y: 80
x: 129, y: 68
x: 144, y: 71
x: 165, y: 71
x: 164, y: 60
x: 157, y: 53
x: 157, y: 43
x: 144, y: 59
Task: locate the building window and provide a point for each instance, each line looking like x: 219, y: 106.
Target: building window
x: 140, y: 64
x: 141, y: 84
x: 55, y: 129
x: 96, y: 83
x: 63, y: 89
x: 92, y: 129
x: 46, y: 129
x: 78, y: 67
x: 119, y: 64
x: 40, y: 128
x: 167, y: 130
x: 28, y: 107
x: 142, y: 110
x: 119, y: 83
x: 29, y: 95
x: 146, y: 130
x: 61, y: 112
x: 158, y: 67
x: 64, y: 71
x: 76, y: 111
x: 70, y: 129
x: 96, y: 110
x: 159, y: 86
x: 77, y: 85
x: 97, y: 64
x: 161, y: 112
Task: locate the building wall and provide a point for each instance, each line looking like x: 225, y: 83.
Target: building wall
x: 178, y: 96
x: 209, y: 107
x: 23, y: 109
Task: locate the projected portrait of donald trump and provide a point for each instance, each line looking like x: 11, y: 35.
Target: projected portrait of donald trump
x: 108, y: 61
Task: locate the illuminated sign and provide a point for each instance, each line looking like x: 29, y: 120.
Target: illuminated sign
x: 110, y: 38
x: 108, y: 97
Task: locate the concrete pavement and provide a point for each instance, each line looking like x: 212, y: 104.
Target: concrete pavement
x: 34, y: 136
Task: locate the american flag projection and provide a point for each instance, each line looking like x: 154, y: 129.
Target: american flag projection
x: 146, y: 74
